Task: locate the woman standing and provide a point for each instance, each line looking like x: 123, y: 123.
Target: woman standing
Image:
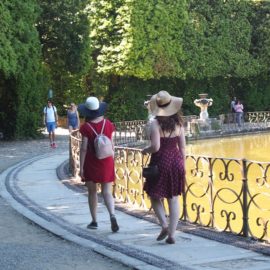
x: 73, y: 118
x: 92, y: 169
x: 168, y: 153
x: 239, y: 109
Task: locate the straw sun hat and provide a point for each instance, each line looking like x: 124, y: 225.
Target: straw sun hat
x: 163, y: 104
x: 92, y: 108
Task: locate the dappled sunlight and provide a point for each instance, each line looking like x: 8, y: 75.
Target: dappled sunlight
x: 57, y: 208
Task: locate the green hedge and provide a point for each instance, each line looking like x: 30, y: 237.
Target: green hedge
x: 20, y: 65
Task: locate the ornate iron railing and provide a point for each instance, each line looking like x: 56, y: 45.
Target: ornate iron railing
x: 250, y: 121
x: 227, y: 123
x: 129, y: 132
x: 258, y: 117
x: 74, y: 152
x: 231, y: 195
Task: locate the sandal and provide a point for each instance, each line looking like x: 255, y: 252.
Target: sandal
x: 164, y: 232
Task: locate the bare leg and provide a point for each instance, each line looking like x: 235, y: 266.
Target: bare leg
x: 92, y: 199
x: 109, y: 202
x: 160, y: 212
x: 53, y: 136
x: 174, y: 215
x: 50, y: 137
x: 107, y: 196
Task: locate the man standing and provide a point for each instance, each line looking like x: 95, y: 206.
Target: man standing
x: 50, y: 120
x: 233, y: 103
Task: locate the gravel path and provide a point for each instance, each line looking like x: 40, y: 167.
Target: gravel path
x: 26, y: 246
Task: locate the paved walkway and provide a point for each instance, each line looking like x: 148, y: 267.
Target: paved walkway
x: 33, y: 188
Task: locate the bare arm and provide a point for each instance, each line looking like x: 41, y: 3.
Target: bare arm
x: 83, y: 151
x: 182, y: 144
x: 78, y: 119
x: 56, y: 117
x: 112, y: 139
x: 155, y: 139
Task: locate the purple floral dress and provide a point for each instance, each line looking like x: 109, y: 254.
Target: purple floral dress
x: 170, y: 163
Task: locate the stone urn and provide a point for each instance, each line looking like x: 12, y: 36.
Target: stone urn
x: 203, y: 103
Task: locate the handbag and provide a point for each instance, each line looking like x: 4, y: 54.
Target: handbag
x: 150, y: 171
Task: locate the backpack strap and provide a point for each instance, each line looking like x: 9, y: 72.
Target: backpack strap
x: 95, y: 130
x: 91, y: 128
x: 55, y: 118
x: 103, y: 126
x: 46, y: 114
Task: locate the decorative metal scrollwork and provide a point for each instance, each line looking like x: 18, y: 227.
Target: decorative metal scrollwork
x: 231, y: 195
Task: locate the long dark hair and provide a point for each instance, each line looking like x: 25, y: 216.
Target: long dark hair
x: 169, y: 123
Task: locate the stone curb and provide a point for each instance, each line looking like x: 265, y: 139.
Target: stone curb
x: 132, y: 257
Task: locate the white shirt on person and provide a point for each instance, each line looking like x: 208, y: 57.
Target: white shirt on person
x: 232, y: 105
x: 50, y: 111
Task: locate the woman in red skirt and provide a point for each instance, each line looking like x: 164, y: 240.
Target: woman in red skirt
x: 92, y: 169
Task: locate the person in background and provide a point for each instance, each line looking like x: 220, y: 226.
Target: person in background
x: 233, y: 102
x: 239, y: 110
x: 73, y: 119
x: 167, y: 151
x: 50, y: 120
x: 92, y: 169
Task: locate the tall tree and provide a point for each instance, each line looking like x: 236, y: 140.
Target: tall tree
x: 20, y: 69
x: 218, y: 40
x: 138, y: 38
x: 64, y: 33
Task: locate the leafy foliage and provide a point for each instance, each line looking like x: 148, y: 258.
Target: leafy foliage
x: 138, y: 38
x: 20, y: 69
x: 126, y: 102
x: 123, y: 50
x: 218, y: 40
x: 223, y: 50
x: 260, y: 20
x: 64, y: 33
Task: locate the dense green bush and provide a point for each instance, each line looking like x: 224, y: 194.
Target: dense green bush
x: 20, y: 68
x: 220, y: 47
x: 64, y: 29
x: 217, y: 40
x: 123, y: 50
x: 126, y: 101
x: 138, y: 38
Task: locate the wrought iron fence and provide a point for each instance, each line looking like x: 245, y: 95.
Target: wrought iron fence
x: 231, y: 195
x: 250, y: 121
x: 74, y: 152
x: 130, y: 132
